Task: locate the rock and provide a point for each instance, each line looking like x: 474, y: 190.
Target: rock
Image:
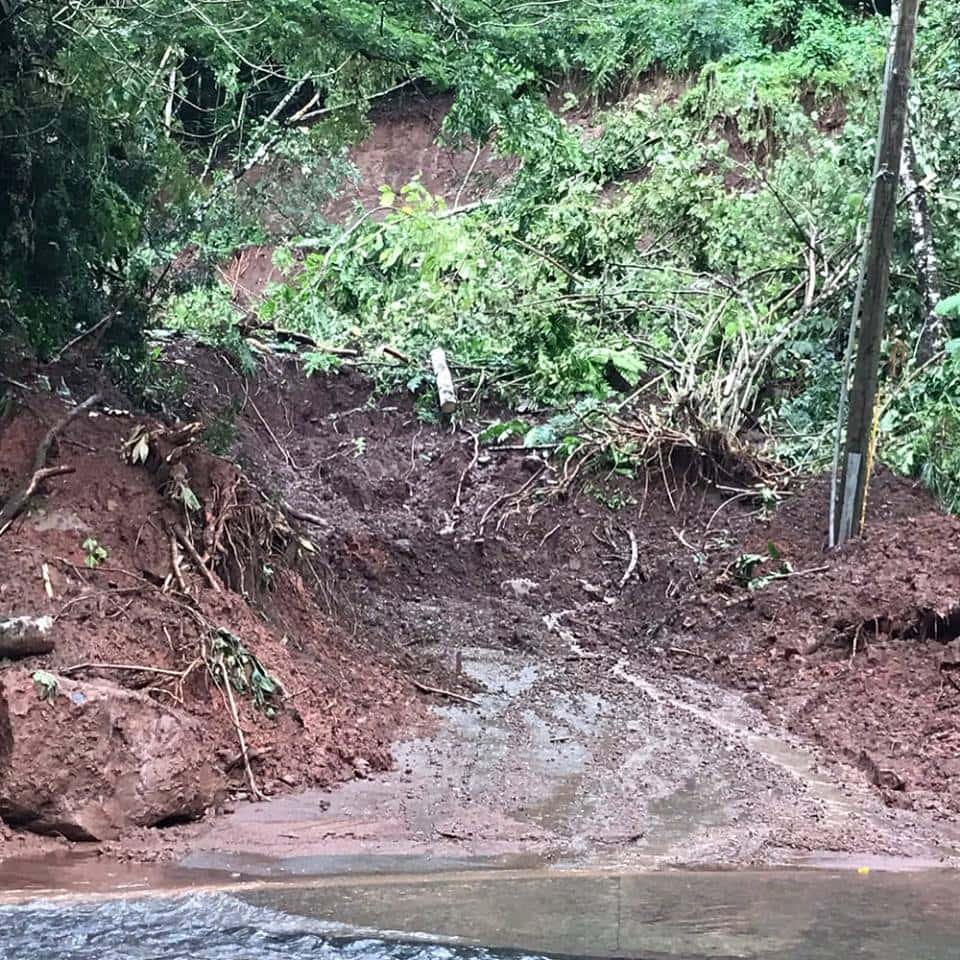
x: 949, y: 655
x: 520, y: 587
x: 94, y: 759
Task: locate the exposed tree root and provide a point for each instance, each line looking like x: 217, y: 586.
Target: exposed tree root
x: 40, y: 472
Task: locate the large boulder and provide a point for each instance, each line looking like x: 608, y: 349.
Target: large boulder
x: 90, y: 759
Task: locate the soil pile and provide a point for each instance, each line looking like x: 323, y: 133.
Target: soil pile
x: 436, y: 540
x: 128, y: 720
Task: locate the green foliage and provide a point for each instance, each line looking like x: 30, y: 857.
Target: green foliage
x: 229, y: 661
x: 659, y: 241
x: 920, y: 428
x: 46, y: 684
x: 94, y: 553
x: 221, y: 432
x: 208, y: 314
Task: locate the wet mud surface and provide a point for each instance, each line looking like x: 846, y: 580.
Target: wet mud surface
x: 549, y: 769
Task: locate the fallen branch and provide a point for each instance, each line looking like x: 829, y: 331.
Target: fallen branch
x: 445, y: 693
x: 634, y: 556
x: 25, y: 637
x: 125, y: 667
x: 227, y: 692
x: 397, y: 354
x: 99, y: 325
x: 446, y: 392
x: 304, y: 516
x: 40, y: 471
x: 17, y: 502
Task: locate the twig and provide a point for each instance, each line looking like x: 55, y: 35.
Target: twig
x: 466, y: 179
x: 445, y: 693
x: 518, y: 493
x: 196, y: 558
x: 463, y: 476
x: 99, y: 325
x: 226, y: 692
x: 634, y: 556
x: 131, y: 667
x: 679, y: 535
x: 16, y: 503
x: 175, y: 563
x: 304, y: 516
x: 548, y: 535
x: 397, y: 354
x: 253, y: 754
x: 802, y: 573
x: 286, y: 453
x: 688, y: 653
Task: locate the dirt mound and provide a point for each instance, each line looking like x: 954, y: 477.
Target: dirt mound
x: 431, y: 543
x: 112, y: 553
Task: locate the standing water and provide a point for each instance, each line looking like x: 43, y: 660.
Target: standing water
x: 768, y: 915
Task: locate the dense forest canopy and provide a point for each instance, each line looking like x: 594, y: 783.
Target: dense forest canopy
x: 706, y: 241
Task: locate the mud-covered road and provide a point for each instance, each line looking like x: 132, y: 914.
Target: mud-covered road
x: 622, y: 768
x: 600, y: 732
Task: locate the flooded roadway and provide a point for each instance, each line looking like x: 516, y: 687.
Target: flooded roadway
x: 767, y: 915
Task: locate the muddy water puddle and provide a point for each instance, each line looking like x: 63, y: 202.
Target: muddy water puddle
x: 780, y: 915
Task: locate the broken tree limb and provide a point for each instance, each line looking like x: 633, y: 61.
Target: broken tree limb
x: 25, y: 637
x: 40, y: 472
x: 634, y: 556
x: 445, y: 389
x: 933, y: 333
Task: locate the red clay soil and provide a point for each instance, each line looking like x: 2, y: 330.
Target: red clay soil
x: 406, y: 567
x: 342, y: 702
x: 417, y: 569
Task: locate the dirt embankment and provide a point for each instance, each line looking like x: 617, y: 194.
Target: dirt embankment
x: 854, y: 649
x: 128, y: 722
x: 417, y: 547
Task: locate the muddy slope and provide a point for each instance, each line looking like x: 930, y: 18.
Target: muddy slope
x: 126, y: 623
x: 430, y: 546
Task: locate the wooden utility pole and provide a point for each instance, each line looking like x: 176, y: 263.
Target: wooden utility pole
x: 875, y: 279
